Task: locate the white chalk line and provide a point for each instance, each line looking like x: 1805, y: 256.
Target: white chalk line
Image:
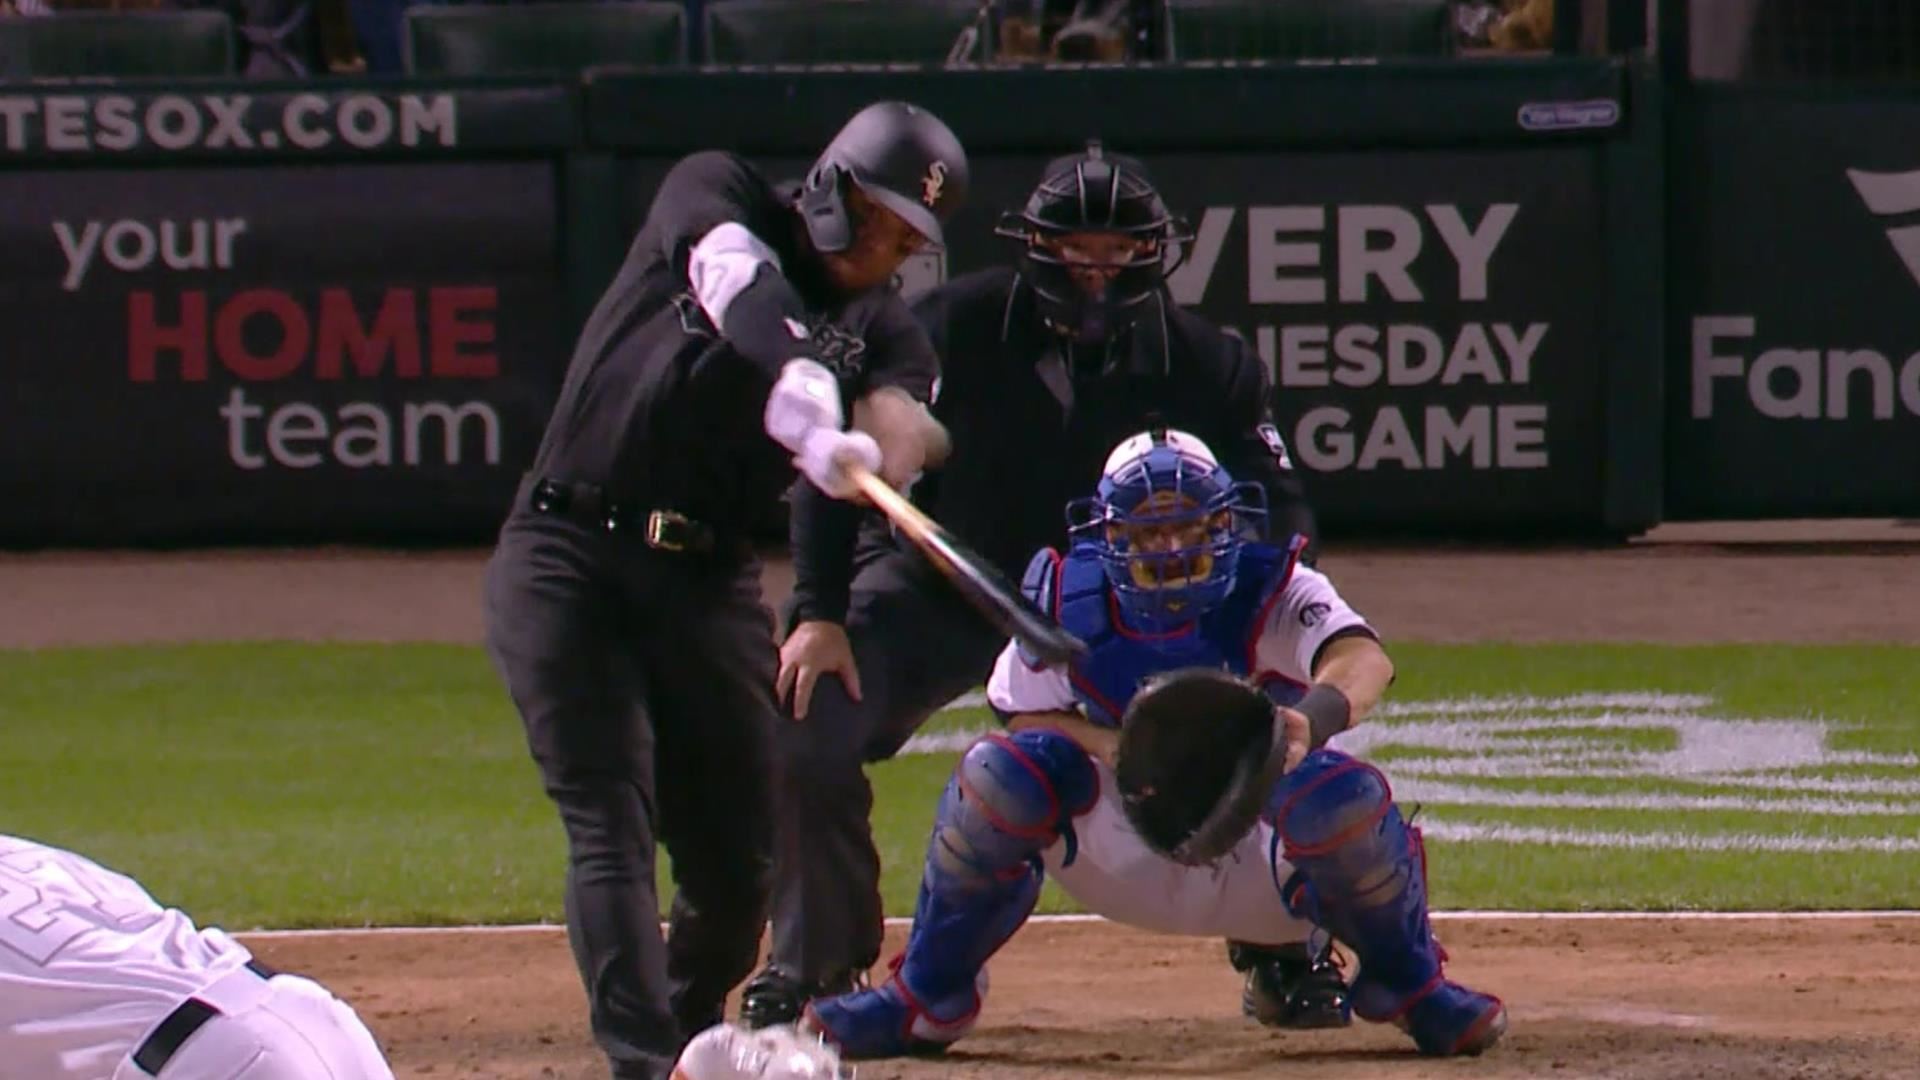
x: 1522, y: 703
x: 1662, y: 841
x: 1536, y: 768
x: 900, y: 922
x: 1482, y: 705
x: 1429, y: 793
x: 1597, y: 767
x: 1412, y: 783
x: 943, y: 742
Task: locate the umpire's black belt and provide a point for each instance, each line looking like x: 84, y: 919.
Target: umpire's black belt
x: 186, y: 1018
x: 590, y: 505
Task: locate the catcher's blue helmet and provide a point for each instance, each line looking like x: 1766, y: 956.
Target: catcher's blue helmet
x: 1167, y: 524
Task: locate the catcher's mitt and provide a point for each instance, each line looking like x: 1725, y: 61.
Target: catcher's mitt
x: 1200, y: 750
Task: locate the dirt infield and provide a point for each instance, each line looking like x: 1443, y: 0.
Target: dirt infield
x: 1740, y: 999
x: 1802, y: 998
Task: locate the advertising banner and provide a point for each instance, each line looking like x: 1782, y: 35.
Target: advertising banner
x: 247, y: 120
x: 1794, y: 385
x: 298, y: 351
x: 1431, y: 318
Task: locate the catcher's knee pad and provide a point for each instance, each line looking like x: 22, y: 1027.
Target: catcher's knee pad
x: 1361, y: 874
x: 1329, y: 802
x: 1012, y: 795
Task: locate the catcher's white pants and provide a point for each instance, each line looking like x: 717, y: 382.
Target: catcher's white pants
x: 286, y: 1028
x: 1115, y: 874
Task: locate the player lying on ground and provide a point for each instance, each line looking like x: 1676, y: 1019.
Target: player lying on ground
x: 99, y: 982
x: 1162, y: 577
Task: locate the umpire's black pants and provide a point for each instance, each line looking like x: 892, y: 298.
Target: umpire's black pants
x: 645, y: 681
x: 918, y: 645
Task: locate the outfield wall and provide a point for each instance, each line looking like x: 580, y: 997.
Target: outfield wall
x: 247, y: 311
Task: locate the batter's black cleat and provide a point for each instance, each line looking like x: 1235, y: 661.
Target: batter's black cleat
x: 774, y: 997
x: 1292, y: 986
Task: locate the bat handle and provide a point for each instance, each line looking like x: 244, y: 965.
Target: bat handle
x: 865, y: 479
x: 882, y: 494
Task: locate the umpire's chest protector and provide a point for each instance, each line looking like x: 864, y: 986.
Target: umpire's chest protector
x: 1120, y: 659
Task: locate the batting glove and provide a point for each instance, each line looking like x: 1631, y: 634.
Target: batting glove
x: 805, y: 399
x: 824, y: 453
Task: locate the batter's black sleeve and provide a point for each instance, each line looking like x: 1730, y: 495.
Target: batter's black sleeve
x: 1251, y: 447
x: 709, y: 189
x: 823, y: 530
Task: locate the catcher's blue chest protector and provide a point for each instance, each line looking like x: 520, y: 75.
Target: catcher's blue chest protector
x: 1074, y: 590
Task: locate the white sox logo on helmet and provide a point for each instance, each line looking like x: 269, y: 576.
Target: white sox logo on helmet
x: 934, y: 183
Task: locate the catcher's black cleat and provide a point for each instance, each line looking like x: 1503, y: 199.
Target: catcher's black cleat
x: 774, y: 997
x: 1289, y: 986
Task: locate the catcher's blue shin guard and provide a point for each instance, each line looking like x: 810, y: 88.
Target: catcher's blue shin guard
x: 1011, y: 797
x: 1361, y: 874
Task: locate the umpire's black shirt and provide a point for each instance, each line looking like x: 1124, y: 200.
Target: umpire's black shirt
x: 663, y: 409
x: 1033, y: 423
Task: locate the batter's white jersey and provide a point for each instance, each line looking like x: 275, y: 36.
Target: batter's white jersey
x: 1115, y: 873
x: 91, y: 964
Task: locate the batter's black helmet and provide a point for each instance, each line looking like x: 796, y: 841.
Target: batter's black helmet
x: 1097, y: 192
x: 903, y: 157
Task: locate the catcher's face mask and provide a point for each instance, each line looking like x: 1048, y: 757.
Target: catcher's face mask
x: 1170, y: 543
x: 1168, y: 524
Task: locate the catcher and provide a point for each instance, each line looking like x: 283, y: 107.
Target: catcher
x: 1163, y: 790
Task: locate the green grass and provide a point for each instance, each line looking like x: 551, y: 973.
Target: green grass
x: 1534, y: 877
x: 284, y: 785
x: 300, y: 785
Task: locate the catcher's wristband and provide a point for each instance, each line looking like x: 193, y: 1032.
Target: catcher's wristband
x: 1328, y: 713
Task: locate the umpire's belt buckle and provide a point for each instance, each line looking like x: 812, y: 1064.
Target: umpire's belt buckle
x: 658, y: 525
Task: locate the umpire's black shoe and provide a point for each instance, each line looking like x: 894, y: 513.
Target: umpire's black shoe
x: 1289, y: 986
x: 774, y: 997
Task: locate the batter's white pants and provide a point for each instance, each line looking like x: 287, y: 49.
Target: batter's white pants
x: 1116, y: 875
x: 285, y: 1028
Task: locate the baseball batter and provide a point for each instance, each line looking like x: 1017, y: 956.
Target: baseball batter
x: 98, y: 981
x: 751, y: 319
x: 1161, y: 577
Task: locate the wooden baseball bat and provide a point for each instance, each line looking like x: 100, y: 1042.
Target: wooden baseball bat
x: 995, y: 597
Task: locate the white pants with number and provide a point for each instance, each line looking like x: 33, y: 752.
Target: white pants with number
x: 286, y: 1028
x: 1116, y: 875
